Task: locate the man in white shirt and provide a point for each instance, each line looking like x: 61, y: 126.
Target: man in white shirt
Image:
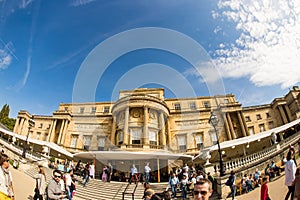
x: 147, y: 171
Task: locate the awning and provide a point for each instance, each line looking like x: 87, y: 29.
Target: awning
x: 248, y: 139
x: 52, y: 146
x: 128, y: 155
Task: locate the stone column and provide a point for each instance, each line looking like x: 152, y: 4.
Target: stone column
x: 126, y: 121
x: 289, y: 114
x: 227, y: 127
x: 230, y: 126
x: 145, y: 131
x: 61, y: 132
x: 245, y: 124
x: 113, y: 130
x: 52, y: 132
x: 64, y: 135
x: 283, y: 116
x: 241, y: 124
x: 21, y: 126
x: 162, y: 127
x: 17, y: 125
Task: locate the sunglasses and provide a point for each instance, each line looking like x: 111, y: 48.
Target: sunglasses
x: 200, y: 192
x: 57, y: 176
x: 7, y: 160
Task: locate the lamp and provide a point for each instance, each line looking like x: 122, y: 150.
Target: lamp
x: 31, y: 124
x: 213, y: 120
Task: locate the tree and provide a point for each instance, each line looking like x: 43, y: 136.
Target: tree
x: 4, y: 117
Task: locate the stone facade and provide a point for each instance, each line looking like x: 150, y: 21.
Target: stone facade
x: 143, y: 120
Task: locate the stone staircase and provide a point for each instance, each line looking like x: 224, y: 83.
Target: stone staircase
x: 96, y: 189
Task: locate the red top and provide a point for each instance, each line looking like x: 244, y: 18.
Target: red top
x: 264, y: 192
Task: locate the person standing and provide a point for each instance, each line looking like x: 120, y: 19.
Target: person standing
x: 264, y: 190
x: 92, y: 170
x: 104, y: 173
x: 173, y: 182
x: 86, y: 174
x: 147, y: 171
x: 69, y: 183
x: 231, y: 184
x: 290, y: 170
x: 109, y: 172
x: 40, y: 179
x: 6, y: 186
x: 133, y: 174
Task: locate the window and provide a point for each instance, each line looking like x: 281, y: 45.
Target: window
x: 213, y: 136
x: 258, y: 116
x: 193, y: 106
x: 199, y: 141
x: 248, y: 119
x: 81, y: 110
x: 262, y: 127
x: 66, y: 108
x: 87, y: 142
x: 49, y: 125
x: 182, y: 142
x: 271, y: 125
x: 101, y: 143
x: 38, y: 135
x: 251, y: 130
x: 93, y: 110
x: 226, y: 101
x: 41, y: 125
x: 106, y: 109
x: 268, y: 115
x: 206, y: 104
x: 177, y: 106
x: 152, y: 137
x: 136, y: 135
x: 74, y: 141
x: 121, y: 135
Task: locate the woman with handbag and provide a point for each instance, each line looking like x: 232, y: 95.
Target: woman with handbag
x: 40, y: 179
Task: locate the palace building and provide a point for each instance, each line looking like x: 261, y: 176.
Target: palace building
x: 143, y: 120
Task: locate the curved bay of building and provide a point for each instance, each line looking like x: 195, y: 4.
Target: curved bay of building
x: 143, y: 120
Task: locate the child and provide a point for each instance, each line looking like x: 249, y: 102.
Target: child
x: 264, y: 191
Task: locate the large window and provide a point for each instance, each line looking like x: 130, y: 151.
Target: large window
x: 152, y: 137
x: 271, y: 125
x: 199, y: 140
x: 251, y: 130
x: 262, y: 127
x: 135, y: 135
x: 213, y: 136
x: 121, y: 136
x: 87, y: 142
x: 74, y: 141
x: 101, y: 143
x: 182, y: 142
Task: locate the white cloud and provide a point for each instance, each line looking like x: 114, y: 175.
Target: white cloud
x: 268, y: 47
x: 5, y: 59
x: 76, y: 3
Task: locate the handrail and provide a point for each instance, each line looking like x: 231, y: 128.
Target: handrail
x: 132, y: 193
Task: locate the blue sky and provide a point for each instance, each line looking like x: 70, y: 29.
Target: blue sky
x: 253, y: 46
